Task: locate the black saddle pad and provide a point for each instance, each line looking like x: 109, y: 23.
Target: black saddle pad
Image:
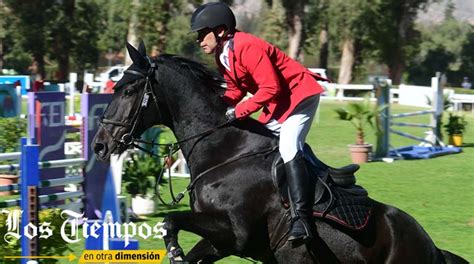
x: 350, y: 207
x: 337, y: 198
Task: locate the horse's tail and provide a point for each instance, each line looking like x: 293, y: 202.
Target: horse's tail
x: 451, y: 258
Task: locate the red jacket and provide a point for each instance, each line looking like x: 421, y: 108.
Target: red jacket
x: 277, y: 82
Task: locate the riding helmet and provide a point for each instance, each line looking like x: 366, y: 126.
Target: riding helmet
x: 212, y: 15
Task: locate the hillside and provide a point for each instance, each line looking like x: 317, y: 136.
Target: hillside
x: 435, y: 12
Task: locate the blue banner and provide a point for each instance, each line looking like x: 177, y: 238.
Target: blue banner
x: 24, y: 81
x: 47, y: 128
x: 99, y: 184
x: 10, y: 104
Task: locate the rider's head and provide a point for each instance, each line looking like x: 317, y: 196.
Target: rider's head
x: 212, y: 21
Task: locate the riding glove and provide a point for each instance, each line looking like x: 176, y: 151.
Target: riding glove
x: 230, y: 113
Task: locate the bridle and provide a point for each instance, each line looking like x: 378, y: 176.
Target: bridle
x: 128, y: 139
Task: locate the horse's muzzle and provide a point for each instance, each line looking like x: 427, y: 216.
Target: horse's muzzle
x: 101, y: 151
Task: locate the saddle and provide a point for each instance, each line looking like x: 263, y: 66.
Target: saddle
x: 337, y: 198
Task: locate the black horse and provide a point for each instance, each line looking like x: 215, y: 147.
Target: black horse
x: 236, y: 208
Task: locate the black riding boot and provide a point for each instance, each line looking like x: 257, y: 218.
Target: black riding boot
x: 301, y: 190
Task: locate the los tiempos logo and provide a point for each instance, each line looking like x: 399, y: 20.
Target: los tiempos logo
x: 70, y: 228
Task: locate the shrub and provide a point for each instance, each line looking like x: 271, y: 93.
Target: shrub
x: 456, y: 125
x: 52, y: 246
x: 140, y: 174
x: 11, y: 130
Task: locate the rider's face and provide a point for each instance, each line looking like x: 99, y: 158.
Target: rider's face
x: 207, y: 40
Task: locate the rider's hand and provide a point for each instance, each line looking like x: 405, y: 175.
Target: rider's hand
x: 230, y: 114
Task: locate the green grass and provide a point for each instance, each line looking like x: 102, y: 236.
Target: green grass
x: 438, y: 193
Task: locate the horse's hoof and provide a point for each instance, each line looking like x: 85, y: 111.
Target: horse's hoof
x: 176, y: 256
x: 178, y: 261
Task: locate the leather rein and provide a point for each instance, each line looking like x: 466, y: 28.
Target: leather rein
x: 128, y: 140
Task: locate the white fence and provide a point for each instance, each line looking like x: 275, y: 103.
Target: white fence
x: 409, y: 95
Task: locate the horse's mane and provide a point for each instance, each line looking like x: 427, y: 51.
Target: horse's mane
x: 212, y: 81
x: 193, y: 69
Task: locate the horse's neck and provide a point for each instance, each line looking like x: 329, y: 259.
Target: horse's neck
x: 192, y: 118
x: 195, y: 110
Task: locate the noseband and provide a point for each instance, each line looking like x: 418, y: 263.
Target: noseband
x: 127, y: 139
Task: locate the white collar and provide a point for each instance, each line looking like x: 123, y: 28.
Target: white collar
x: 224, y: 56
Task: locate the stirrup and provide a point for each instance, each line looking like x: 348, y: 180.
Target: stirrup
x: 302, y: 238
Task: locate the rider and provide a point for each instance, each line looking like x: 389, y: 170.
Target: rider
x: 287, y: 93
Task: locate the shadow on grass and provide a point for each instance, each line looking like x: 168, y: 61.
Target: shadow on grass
x: 468, y: 145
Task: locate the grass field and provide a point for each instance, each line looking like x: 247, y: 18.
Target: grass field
x: 438, y: 192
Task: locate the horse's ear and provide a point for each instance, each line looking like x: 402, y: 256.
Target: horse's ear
x: 141, y: 48
x: 136, y: 57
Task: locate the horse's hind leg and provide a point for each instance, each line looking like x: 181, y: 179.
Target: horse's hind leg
x: 216, y: 228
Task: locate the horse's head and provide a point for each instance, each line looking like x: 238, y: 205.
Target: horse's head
x: 133, y: 109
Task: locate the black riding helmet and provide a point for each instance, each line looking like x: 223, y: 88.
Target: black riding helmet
x: 212, y: 15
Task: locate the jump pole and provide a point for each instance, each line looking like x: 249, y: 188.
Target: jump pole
x: 384, y: 119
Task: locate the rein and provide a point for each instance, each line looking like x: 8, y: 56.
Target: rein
x: 128, y: 140
x: 172, y: 148
x: 233, y: 159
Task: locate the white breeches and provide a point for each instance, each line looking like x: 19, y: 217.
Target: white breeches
x: 295, y: 128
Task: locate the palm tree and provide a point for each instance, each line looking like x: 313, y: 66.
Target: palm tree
x: 359, y: 113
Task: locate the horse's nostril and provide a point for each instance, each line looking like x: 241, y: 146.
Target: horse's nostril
x: 99, y: 148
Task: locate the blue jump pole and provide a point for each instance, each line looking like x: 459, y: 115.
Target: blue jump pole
x: 382, y: 92
x: 29, y: 196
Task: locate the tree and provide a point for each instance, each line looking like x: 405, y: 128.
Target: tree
x: 349, y: 26
x: 59, y: 35
x: 132, y: 37
x: 439, y: 49
x: 295, y: 20
x: 179, y: 41
x: 32, y: 21
x: 274, y: 26
x: 85, y: 32
x: 324, y: 35
x: 467, y: 55
x: 115, y: 16
x: 437, y: 60
x: 153, y: 21
x: 3, y: 14
x: 393, y: 34
x: 316, y: 40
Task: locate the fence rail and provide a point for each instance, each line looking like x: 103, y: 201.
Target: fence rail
x: 411, y: 125
x: 8, y: 188
x: 59, y: 196
x: 61, y: 163
x: 9, y: 203
x: 10, y: 156
x: 61, y: 181
x: 9, y: 167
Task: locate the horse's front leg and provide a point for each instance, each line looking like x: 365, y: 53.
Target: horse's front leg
x: 204, y: 252
x: 213, y: 227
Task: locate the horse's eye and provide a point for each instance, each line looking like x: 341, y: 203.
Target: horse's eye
x: 128, y: 92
